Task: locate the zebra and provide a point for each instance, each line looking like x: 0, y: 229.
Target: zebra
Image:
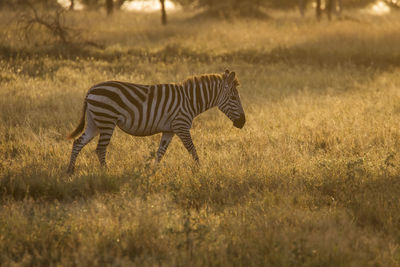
x: 144, y: 110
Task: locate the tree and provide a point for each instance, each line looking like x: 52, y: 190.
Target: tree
x: 302, y: 6
x: 51, y: 20
x: 318, y: 10
x: 119, y: 3
x: 91, y: 4
x: 109, y: 7
x: 330, y: 6
x: 163, y: 13
x: 234, y: 8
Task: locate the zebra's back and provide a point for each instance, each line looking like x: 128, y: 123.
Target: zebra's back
x: 137, y: 109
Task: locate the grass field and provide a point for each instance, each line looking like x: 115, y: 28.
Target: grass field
x: 313, y: 179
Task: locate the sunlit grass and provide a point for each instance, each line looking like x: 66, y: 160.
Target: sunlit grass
x: 312, y: 178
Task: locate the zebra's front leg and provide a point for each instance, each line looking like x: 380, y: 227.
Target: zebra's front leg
x: 186, y: 139
x: 165, y: 140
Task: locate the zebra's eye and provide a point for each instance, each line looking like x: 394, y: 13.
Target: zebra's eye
x: 233, y: 97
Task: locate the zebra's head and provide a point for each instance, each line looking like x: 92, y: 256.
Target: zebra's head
x: 229, y: 102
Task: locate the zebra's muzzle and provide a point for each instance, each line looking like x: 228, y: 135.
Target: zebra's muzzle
x: 239, y: 123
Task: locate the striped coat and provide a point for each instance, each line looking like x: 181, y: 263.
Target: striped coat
x: 143, y: 110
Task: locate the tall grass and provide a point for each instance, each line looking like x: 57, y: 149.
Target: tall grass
x: 312, y: 179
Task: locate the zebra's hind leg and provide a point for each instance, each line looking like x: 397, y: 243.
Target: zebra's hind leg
x: 90, y: 132
x: 104, y: 140
x: 165, y: 140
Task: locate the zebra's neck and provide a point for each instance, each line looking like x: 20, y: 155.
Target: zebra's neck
x: 202, y: 93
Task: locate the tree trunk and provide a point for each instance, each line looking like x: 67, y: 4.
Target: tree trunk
x: 119, y: 3
x: 109, y: 7
x: 329, y: 8
x: 318, y: 10
x: 163, y: 13
x: 71, y: 6
x: 302, y: 7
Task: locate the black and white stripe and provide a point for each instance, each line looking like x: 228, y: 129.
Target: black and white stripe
x: 143, y: 110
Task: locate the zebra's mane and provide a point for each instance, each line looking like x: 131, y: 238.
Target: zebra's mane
x: 205, y: 77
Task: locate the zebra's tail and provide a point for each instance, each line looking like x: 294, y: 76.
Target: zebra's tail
x: 81, y: 125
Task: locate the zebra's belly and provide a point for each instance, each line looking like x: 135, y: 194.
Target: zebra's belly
x: 137, y: 131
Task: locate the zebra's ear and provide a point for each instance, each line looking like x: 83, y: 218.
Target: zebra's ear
x: 225, y: 74
x: 231, y: 77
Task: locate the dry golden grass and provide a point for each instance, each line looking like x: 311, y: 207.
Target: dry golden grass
x: 312, y: 179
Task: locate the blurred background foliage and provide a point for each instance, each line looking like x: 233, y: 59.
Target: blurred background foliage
x: 50, y: 14
x: 224, y: 8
